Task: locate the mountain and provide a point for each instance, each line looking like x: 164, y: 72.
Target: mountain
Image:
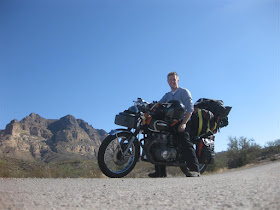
x: 36, y: 138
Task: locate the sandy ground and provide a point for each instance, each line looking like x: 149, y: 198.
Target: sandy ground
x: 250, y: 188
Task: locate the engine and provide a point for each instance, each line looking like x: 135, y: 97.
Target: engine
x: 163, y: 149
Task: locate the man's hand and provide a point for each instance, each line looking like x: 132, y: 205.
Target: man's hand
x: 182, y: 127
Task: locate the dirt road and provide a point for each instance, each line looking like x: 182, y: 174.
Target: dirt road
x: 251, y: 188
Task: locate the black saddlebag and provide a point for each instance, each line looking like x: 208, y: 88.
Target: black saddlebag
x: 126, y: 119
x: 205, y: 151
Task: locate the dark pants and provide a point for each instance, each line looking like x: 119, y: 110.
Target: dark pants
x: 189, y: 154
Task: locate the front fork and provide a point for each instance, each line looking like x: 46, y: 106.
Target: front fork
x: 130, y: 140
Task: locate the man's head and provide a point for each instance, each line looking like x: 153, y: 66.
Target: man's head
x: 173, y: 80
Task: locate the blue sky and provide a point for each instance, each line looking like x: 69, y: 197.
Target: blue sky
x: 92, y: 58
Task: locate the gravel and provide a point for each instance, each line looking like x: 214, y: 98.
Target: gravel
x: 256, y: 187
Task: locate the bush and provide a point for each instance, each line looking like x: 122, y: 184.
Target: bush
x: 271, y: 148
x: 242, y: 151
x: 220, y: 163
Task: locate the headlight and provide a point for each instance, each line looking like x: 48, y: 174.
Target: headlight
x: 133, y: 109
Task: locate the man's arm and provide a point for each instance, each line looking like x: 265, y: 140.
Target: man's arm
x: 183, y: 125
x: 187, y: 101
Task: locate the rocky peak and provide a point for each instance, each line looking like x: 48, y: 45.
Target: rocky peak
x: 34, y: 116
x: 13, y: 128
x: 67, y: 122
x: 34, y: 119
x: 44, y: 139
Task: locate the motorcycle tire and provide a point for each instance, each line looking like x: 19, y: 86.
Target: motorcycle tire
x: 110, y: 158
x: 202, y: 168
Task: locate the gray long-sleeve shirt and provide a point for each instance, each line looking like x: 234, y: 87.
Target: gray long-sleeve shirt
x: 182, y: 95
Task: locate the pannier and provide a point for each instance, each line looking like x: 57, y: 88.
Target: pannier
x: 126, y: 119
x: 203, y: 123
x: 208, y: 117
x: 205, y: 151
x: 215, y: 106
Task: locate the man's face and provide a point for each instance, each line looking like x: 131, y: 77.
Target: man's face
x: 173, y: 81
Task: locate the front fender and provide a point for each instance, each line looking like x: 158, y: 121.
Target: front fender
x: 119, y: 130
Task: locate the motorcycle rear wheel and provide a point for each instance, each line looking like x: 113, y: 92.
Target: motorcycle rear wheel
x: 111, y: 160
x: 202, y: 168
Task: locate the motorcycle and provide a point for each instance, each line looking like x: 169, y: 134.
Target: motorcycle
x: 157, y: 123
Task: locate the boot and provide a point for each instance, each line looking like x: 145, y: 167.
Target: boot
x: 193, y: 170
x: 192, y: 174
x: 160, y: 171
x: 163, y: 171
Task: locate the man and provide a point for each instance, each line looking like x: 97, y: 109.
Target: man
x: 184, y: 96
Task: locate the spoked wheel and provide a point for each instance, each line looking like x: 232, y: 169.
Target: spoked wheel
x: 202, y: 168
x: 111, y: 158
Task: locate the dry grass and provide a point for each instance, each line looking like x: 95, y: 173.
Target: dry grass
x: 68, y: 169
x: 14, y: 168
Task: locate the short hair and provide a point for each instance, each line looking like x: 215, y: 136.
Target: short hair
x: 173, y: 73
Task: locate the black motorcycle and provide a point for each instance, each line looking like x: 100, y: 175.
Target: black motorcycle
x: 158, y: 123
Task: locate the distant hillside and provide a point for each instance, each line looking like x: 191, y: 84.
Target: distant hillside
x: 37, y: 138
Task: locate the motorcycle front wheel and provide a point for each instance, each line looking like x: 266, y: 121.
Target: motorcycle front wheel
x: 111, y: 160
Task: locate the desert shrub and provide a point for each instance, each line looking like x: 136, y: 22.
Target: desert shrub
x: 271, y: 148
x: 4, y: 171
x: 220, y: 162
x: 242, y: 151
